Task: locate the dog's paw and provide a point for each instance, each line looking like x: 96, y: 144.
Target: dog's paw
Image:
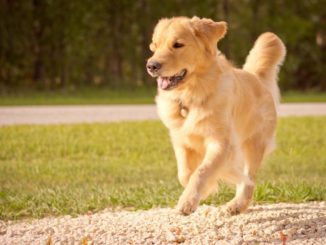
x: 188, y: 203
x: 236, y: 206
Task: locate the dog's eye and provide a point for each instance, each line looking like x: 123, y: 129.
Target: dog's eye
x: 178, y: 45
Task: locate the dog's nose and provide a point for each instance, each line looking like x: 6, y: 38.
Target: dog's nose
x: 153, y: 66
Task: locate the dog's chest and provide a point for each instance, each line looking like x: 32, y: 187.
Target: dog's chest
x: 173, y: 113
x: 179, y: 117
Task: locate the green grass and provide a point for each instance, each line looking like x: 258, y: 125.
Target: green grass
x: 81, y: 96
x: 72, y: 169
x: 300, y: 96
x: 105, y: 95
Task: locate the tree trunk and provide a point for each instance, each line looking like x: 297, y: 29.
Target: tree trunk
x: 255, y: 19
x: 38, y: 73
x: 114, y: 56
x: 145, y: 39
x: 226, y: 16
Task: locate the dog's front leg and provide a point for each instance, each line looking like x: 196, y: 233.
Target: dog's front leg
x: 203, y: 176
x: 182, y: 155
x: 187, y: 161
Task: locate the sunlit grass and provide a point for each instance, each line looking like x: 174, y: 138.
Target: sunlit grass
x: 72, y: 169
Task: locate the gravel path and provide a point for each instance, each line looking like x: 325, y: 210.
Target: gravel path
x: 262, y: 224
x: 112, y: 113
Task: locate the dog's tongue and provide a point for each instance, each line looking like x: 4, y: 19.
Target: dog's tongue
x: 163, y: 82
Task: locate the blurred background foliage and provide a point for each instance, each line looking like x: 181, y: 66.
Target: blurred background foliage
x: 60, y: 44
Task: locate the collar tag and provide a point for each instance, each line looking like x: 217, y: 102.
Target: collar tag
x: 183, y: 111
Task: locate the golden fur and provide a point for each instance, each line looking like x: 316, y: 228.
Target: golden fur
x: 221, y: 119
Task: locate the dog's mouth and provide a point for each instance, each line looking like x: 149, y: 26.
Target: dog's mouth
x: 167, y: 83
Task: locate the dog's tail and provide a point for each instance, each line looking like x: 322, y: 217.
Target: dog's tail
x: 264, y: 61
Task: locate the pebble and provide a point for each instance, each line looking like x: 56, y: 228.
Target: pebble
x: 263, y: 224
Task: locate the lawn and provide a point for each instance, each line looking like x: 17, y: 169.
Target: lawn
x: 105, y: 95
x: 81, y: 96
x: 299, y: 96
x: 72, y: 169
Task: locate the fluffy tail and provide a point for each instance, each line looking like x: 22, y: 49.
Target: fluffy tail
x: 264, y: 61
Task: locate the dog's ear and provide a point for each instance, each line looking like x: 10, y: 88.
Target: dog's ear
x: 210, y: 31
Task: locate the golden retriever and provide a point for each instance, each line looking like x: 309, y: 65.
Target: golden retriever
x: 221, y: 119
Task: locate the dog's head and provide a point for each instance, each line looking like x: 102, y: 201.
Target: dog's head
x: 182, y: 46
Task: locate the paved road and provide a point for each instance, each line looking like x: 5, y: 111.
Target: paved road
x: 112, y: 113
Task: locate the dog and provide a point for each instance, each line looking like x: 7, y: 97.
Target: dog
x: 221, y: 119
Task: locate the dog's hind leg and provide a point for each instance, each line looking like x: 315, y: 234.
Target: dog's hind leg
x: 254, y: 150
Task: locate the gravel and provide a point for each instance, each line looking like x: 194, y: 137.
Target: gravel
x: 262, y: 224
